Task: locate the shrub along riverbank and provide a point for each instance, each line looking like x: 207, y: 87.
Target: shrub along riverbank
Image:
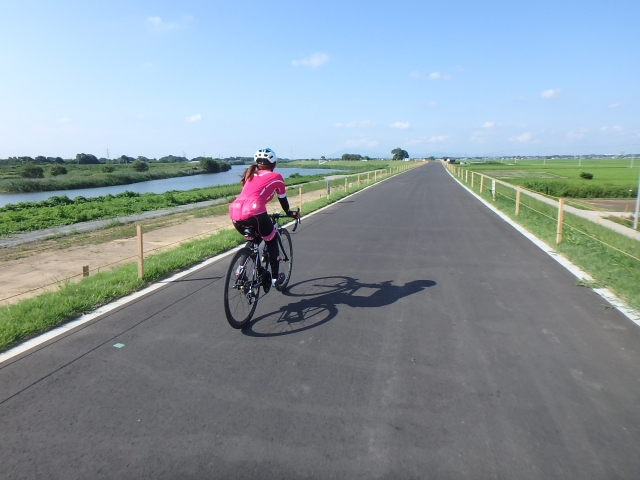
x: 61, y: 210
x: 89, y: 176
x: 38, y: 314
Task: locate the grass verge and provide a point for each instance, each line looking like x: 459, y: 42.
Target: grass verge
x: 36, y: 315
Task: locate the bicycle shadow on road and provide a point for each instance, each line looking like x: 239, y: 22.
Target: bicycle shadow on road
x: 315, y: 302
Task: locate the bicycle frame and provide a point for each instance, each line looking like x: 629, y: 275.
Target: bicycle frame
x: 254, y: 245
x: 249, y: 271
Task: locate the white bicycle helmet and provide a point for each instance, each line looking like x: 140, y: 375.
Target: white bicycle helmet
x: 265, y: 156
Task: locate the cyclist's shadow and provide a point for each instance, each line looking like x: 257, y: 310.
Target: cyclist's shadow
x: 316, y: 301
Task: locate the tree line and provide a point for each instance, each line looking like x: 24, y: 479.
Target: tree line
x: 89, y: 159
x: 398, y: 154
x: 33, y: 167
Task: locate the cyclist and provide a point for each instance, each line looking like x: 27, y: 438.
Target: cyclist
x: 259, y: 184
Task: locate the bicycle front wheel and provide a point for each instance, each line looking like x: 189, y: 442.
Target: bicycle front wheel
x: 241, y: 288
x: 286, y: 256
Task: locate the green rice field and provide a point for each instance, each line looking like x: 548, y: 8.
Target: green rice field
x: 612, y: 178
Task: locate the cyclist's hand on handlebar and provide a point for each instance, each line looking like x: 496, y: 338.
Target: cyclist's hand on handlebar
x: 294, y: 213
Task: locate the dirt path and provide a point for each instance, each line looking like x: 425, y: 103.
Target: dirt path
x: 22, y: 278
x: 613, y: 204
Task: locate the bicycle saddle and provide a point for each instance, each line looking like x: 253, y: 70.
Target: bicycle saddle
x: 249, y: 233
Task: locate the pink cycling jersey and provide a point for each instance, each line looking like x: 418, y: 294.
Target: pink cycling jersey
x: 256, y: 193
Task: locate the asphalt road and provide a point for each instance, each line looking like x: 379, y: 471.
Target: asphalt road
x: 422, y: 338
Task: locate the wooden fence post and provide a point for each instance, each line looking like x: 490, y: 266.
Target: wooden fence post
x: 368, y: 177
x: 466, y: 176
x: 85, y: 271
x: 140, y: 252
x: 472, y: 178
x: 481, y: 182
x: 494, y: 188
x: 345, y: 184
x: 560, y: 218
x: 518, y: 201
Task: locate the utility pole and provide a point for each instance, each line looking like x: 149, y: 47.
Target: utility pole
x: 108, y: 158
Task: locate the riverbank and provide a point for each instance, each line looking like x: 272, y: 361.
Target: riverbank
x: 183, y: 183
x: 61, y: 210
x: 92, y: 176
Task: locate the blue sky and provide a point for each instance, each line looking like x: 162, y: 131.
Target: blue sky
x: 312, y: 78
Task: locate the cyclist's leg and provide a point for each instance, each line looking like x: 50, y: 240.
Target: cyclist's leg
x: 241, y: 225
x: 268, y: 233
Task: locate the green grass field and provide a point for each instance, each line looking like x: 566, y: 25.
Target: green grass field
x: 344, y: 165
x: 612, y: 178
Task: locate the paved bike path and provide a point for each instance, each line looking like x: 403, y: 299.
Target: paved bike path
x: 422, y: 337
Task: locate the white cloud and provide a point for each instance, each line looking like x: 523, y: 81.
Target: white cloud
x: 615, y: 128
x: 525, y: 137
x: 437, y: 139
x: 416, y: 75
x: 158, y: 24
x: 613, y: 105
x: 479, y: 136
x: 401, y: 125
x: 415, y: 141
x: 194, y: 118
x: 364, y: 123
x: 361, y: 142
x: 488, y: 125
x: 575, y: 135
x: 439, y: 76
x: 314, y: 60
x: 551, y: 93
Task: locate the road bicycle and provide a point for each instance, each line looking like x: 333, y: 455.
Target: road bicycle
x: 249, y: 272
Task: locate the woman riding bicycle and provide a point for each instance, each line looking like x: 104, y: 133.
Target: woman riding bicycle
x: 249, y: 209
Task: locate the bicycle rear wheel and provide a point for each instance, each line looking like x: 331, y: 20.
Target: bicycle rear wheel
x: 241, y: 288
x: 286, y: 256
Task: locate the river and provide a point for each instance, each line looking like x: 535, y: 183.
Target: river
x: 156, y: 186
